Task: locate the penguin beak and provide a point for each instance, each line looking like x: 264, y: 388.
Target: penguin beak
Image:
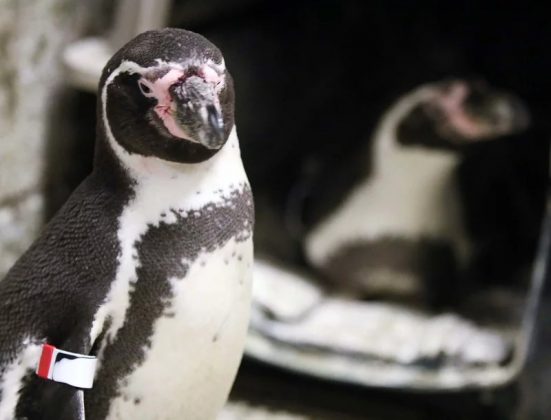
x: 198, y: 111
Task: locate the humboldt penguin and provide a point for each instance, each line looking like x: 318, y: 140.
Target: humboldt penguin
x: 147, y: 267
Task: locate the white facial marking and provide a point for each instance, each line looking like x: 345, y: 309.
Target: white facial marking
x: 12, y: 379
x: 125, y: 67
x: 410, y: 194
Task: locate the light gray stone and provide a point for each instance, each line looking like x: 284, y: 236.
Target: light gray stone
x: 32, y: 36
x: 240, y: 410
x: 19, y: 225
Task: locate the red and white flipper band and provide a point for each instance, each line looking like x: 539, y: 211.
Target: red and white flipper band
x: 69, y: 368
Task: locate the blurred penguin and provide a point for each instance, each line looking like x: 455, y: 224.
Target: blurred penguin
x: 400, y: 231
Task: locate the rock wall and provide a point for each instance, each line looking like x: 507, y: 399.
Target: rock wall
x: 32, y: 36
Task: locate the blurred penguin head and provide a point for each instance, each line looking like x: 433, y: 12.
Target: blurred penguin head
x: 455, y: 113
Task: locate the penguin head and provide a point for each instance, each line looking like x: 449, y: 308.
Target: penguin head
x: 167, y: 94
x: 453, y: 114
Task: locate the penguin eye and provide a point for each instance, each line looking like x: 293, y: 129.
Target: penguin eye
x: 146, y: 90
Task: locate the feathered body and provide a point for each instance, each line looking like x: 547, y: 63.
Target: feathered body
x: 148, y: 264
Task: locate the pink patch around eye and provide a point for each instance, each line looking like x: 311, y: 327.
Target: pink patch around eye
x: 160, y: 90
x: 167, y: 116
x: 209, y: 74
x: 452, y: 104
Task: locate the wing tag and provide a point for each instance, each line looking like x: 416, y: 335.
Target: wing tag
x: 69, y: 368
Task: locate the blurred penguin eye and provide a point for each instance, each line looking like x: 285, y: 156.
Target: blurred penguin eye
x: 146, y: 90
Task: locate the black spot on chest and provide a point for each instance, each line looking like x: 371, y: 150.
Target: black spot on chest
x: 165, y: 251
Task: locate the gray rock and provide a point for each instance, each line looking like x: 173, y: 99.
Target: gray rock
x: 20, y: 222
x: 32, y: 36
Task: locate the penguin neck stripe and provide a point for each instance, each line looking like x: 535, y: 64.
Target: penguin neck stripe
x: 386, y: 131
x: 125, y: 67
x: 386, y: 141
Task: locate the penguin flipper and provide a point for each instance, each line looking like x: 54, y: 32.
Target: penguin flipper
x: 64, y: 403
x: 61, y: 401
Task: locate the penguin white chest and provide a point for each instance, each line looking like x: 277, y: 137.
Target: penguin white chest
x: 413, y: 195
x: 197, y: 344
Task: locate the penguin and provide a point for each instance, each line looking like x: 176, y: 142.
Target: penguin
x: 400, y: 231
x: 147, y: 267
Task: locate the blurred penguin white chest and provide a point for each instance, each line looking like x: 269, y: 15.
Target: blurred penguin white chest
x: 412, y: 194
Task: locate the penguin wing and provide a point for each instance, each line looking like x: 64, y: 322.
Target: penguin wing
x: 63, y: 403
x: 52, y: 292
x: 60, y: 401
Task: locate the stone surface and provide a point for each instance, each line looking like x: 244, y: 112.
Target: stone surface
x: 239, y: 410
x: 19, y: 223
x: 32, y: 36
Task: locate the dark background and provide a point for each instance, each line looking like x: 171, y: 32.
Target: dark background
x: 312, y: 77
